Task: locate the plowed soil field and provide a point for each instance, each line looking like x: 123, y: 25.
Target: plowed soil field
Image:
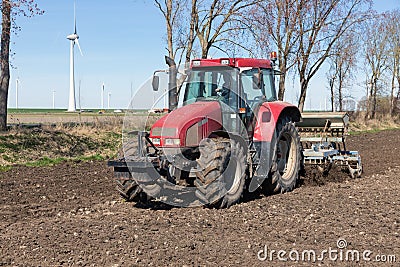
x: 70, y: 215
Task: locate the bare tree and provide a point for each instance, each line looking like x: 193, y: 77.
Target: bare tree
x: 176, y: 15
x: 208, y: 23
x: 5, y: 62
x: 218, y: 18
x: 343, y: 62
x: 376, y: 59
x: 276, y: 22
x: 305, y: 32
x: 393, y: 24
x: 180, y: 39
x: 192, y: 36
x: 321, y: 24
x: 10, y: 9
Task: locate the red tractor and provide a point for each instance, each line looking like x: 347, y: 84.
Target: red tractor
x: 230, y: 135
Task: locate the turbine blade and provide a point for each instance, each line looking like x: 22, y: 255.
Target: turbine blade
x: 80, y: 50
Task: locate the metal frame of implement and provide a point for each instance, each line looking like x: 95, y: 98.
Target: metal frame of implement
x: 322, y: 136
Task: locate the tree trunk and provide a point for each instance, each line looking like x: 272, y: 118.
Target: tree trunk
x: 193, y: 21
x: 374, y: 100
x: 340, y: 94
x: 396, y: 108
x: 282, y: 81
x: 392, y: 94
x: 332, y: 88
x: 204, y: 50
x: 303, y: 93
x: 5, y: 62
x: 281, y: 92
x: 169, y: 25
x: 370, y: 93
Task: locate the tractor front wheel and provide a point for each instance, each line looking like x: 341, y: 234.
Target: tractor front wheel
x: 222, y: 172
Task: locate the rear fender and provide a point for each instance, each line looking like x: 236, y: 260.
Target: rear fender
x: 267, y: 117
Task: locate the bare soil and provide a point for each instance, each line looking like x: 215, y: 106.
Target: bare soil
x: 70, y: 215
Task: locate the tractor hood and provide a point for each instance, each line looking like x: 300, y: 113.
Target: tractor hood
x: 188, y: 124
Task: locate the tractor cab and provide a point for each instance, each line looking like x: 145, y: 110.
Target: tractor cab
x: 240, y: 86
x: 239, y: 83
x: 237, y: 88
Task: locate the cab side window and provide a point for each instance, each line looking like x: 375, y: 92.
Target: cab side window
x: 252, y: 92
x: 269, y: 85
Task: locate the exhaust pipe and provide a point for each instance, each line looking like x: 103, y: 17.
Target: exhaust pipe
x: 172, y: 84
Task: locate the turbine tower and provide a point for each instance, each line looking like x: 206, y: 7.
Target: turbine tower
x: 102, y: 96
x: 74, y: 40
x: 16, y: 92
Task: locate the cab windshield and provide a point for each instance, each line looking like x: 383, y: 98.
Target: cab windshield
x: 210, y: 84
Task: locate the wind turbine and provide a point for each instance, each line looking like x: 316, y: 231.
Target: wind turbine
x: 74, y: 40
x: 102, y: 96
x: 54, y: 99
x: 16, y: 92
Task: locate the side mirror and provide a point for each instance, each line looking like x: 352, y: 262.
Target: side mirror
x: 257, y: 80
x: 155, y: 83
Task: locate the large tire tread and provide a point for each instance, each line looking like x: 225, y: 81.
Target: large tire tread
x: 215, y: 155
x: 128, y: 189
x: 275, y: 183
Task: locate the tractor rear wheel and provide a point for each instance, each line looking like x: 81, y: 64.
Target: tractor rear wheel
x: 221, y: 178
x: 286, y: 158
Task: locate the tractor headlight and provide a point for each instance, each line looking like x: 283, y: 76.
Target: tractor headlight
x: 156, y: 141
x: 172, y: 142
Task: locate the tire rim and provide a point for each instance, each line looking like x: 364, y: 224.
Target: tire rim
x: 234, y: 170
x: 287, y: 160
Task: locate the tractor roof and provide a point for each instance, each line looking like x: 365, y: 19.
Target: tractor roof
x: 232, y: 62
